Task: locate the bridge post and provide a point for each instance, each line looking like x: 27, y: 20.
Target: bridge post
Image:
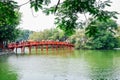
x: 29, y: 49
x: 70, y: 47
x: 16, y: 50
x: 36, y: 49
x: 47, y: 49
x: 56, y: 47
x: 41, y: 47
x: 63, y: 46
x: 21, y: 50
x: 52, y: 47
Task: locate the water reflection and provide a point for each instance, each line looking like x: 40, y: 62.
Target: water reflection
x: 101, y: 65
x: 64, y: 65
x: 6, y: 72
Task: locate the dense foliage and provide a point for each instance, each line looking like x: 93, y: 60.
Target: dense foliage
x: 9, y: 19
x: 78, y: 39
x: 23, y: 35
x: 48, y: 34
x: 67, y: 13
x: 102, y: 35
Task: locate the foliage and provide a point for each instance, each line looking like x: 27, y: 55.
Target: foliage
x: 8, y: 33
x: 9, y: 19
x: 67, y: 12
x: 118, y: 32
x: 23, y: 35
x: 48, y: 34
x: 97, y: 27
x: 38, y: 4
x: 118, y: 36
x: 78, y: 39
x: 103, y: 35
x: 35, y: 36
x: 8, y: 15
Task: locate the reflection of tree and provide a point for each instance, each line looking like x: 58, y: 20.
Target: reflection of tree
x: 101, y: 64
x: 5, y: 72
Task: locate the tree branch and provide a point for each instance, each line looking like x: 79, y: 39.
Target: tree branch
x: 57, y: 5
x: 24, y: 3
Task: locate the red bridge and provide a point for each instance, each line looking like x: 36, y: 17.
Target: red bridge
x: 39, y: 44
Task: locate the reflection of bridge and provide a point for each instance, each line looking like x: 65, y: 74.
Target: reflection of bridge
x: 40, y: 44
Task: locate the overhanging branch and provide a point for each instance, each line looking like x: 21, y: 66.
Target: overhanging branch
x: 57, y: 5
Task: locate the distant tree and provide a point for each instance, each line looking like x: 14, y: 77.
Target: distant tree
x: 48, y: 34
x: 24, y: 35
x: 78, y: 39
x: 102, y: 34
x: 35, y: 36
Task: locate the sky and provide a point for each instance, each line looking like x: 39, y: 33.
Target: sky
x: 39, y: 21
x: 35, y: 21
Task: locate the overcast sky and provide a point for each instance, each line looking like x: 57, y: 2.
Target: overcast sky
x: 40, y: 21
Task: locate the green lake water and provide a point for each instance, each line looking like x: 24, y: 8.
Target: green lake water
x: 62, y: 65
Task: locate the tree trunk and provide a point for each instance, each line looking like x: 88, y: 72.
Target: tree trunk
x: 1, y: 45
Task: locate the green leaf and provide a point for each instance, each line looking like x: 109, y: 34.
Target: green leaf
x: 115, y: 17
x: 36, y: 8
x: 108, y: 5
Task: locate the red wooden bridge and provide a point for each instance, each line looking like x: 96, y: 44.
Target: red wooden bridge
x: 39, y: 44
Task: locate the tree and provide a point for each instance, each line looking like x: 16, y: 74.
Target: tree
x: 78, y: 39
x: 9, y: 19
x: 48, y: 34
x: 23, y: 35
x: 102, y: 34
x: 67, y: 12
x: 35, y: 36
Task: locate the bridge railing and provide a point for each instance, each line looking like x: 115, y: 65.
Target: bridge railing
x: 38, y: 43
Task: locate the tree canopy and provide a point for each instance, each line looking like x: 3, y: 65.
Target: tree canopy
x: 23, y: 35
x: 102, y: 35
x: 67, y: 12
x: 48, y: 34
x: 9, y: 19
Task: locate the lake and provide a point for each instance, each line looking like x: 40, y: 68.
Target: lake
x: 62, y: 65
